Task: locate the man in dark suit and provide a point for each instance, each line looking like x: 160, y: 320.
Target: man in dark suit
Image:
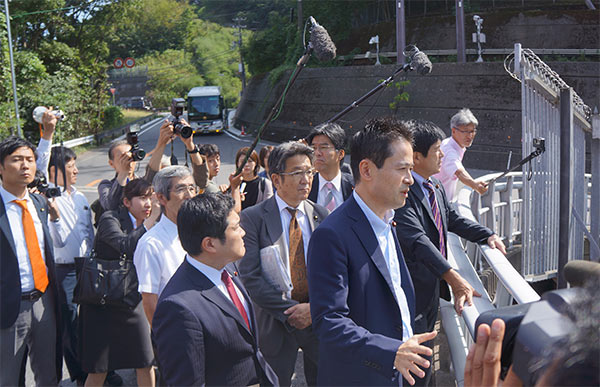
x: 274, y: 266
x: 28, y: 288
x: 422, y: 227
x: 362, y: 298
x: 330, y: 187
x: 204, y: 326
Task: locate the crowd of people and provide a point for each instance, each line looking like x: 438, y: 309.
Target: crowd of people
x: 345, y: 262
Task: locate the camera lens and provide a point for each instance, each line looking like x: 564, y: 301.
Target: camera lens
x: 184, y: 130
x: 52, y: 192
x: 138, y: 154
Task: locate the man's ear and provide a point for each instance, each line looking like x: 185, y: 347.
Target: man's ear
x: 162, y: 199
x: 208, y: 245
x: 341, y: 155
x: 365, y: 167
x: 276, y: 180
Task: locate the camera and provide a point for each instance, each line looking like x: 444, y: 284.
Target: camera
x: 137, y: 153
x: 539, y: 144
x: 531, y: 329
x: 177, y: 106
x: 38, y: 114
x: 41, y: 183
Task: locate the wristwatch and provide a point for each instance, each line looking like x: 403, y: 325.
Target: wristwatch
x: 195, y: 150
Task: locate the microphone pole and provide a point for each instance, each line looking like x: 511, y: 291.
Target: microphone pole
x: 407, y: 67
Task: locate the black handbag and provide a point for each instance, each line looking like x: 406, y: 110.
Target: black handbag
x: 106, y: 282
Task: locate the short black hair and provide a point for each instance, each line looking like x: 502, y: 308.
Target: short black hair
x: 425, y: 134
x: 137, y: 187
x: 332, y: 131
x: 203, y: 216
x: 11, y: 144
x: 209, y: 150
x: 374, y: 141
x: 60, y: 156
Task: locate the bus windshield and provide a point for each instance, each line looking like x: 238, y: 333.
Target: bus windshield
x: 206, y: 107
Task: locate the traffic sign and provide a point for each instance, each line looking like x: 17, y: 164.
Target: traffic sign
x: 129, y: 62
x: 118, y: 63
x: 112, y: 90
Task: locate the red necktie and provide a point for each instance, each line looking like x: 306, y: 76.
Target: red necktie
x: 234, y: 297
x: 38, y: 266
x: 436, y: 215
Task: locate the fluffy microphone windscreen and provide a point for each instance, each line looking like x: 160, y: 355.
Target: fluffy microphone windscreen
x: 323, y: 47
x: 577, y: 273
x: 420, y: 62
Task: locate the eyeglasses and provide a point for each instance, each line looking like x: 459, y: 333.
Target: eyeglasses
x: 473, y: 132
x: 322, y: 148
x: 298, y: 174
x: 182, y: 189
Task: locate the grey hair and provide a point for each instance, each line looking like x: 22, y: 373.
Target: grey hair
x: 462, y: 118
x: 162, y: 180
x: 112, y: 147
x: 282, y: 152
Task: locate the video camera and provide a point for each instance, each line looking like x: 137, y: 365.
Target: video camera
x: 137, y: 153
x: 531, y: 330
x: 177, y: 106
x: 41, y: 184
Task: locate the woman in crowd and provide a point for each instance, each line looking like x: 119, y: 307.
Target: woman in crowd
x: 263, y: 158
x: 254, y: 189
x: 115, y: 337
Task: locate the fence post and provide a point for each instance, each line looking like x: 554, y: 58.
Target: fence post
x: 566, y: 182
x: 595, y: 202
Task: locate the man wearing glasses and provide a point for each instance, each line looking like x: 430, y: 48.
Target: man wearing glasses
x: 273, y: 269
x: 159, y: 252
x: 330, y: 186
x: 464, y: 128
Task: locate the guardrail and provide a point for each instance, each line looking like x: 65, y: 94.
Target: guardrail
x: 100, y: 137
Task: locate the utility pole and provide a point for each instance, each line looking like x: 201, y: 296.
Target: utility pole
x: 242, y: 69
x: 300, y: 17
x: 12, y: 69
x: 400, y: 32
x: 461, y: 56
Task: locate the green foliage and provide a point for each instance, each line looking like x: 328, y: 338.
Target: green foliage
x: 401, y: 96
x: 112, y: 117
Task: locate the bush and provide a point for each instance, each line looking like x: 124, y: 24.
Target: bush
x: 112, y: 117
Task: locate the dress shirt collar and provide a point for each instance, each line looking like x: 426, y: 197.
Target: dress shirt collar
x: 169, y: 227
x: 210, y: 272
x: 452, y: 142
x: 419, y: 180
x: 282, y: 205
x: 379, y: 226
x: 7, y: 197
x: 133, y: 221
x: 336, y: 181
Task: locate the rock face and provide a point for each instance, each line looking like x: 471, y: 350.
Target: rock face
x: 486, y: 88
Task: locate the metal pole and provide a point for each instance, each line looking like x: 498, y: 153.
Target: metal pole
x: 12, y: 70
x: 300, y: 17
x: 566, y: 182
x: 461, y: 56
x: 400, y: 32
x: 595, y: 203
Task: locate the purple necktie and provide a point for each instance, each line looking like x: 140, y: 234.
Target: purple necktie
x: 436, y: 215
x: 329, y: 199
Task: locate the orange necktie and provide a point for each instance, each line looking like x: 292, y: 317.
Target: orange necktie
x: 40, y: 277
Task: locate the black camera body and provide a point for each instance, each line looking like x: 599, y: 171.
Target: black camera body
x: 41, y: 184
x: 177, y: 107
x: 137, y: 153
x: 531, y: 330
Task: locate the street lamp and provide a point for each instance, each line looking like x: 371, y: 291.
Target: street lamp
x: 478, y: 37
x: 375, y: 40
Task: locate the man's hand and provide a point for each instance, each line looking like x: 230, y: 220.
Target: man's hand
x: 407, y: 357
x: 483, y: 361
x: 495, y: 242
x: 234, y: 181
x: 53, y: 211
x: 49, y: 121
x: 299, y: 315
x: 224, y: 187
x: 165, y: 135
x: 125, y: 168
x: 461, y: 289
x: 188, y: 142
x: 480, y: 187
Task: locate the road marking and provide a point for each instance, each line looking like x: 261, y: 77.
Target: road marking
x: 93, y: 183
x: 235, y: 137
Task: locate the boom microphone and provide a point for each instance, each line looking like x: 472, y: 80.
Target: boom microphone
x: 322, y: 45
x: 577, y: 273
x: 418, y: 60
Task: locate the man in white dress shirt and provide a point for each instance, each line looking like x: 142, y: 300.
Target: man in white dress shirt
x: 159, y: 252
x: 330, y: 185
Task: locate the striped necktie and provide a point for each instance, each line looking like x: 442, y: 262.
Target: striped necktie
x: 330, y: 199
x: 436, y: 215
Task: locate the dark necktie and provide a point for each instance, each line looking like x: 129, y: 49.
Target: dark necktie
x: 234, y: 297
x: 297, y: 263
x: 436, y: 215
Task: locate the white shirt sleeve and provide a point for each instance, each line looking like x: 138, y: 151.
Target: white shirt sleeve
x: 43, y: 156
x: 147, y: 261
x: 58, y: 232
x: 450, y: 163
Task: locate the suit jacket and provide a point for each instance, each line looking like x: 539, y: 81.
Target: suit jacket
x: 202, y: 339
x: 262, y: 224
x: 116, y: 235
x: 347, y: 187
x: 353, y: 306
x: 10, y: 279
x: 419, y: 238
